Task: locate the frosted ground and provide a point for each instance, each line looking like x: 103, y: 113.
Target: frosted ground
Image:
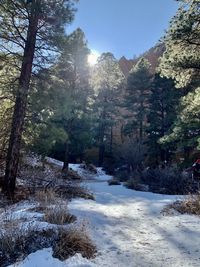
x: 129, y: 230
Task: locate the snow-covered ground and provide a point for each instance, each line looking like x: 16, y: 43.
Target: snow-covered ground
x: 129, y: 230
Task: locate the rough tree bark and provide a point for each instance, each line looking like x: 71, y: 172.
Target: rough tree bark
x: 13, y: 153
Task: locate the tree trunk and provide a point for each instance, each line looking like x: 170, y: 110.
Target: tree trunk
x: 101, y: 137
x: 13, y: 153
x: 101, y: 146
x: 101, y: 154
x: 111, y: 140
x: 141, y: 120
x: 66, y: 158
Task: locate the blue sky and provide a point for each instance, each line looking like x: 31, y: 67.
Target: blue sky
x: 123, y: 27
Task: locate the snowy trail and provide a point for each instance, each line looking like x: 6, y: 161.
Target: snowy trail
x: 129, y: 230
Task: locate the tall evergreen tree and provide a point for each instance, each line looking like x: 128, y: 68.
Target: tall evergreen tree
x: 29, y: 30
x: 107, y: 81
x: 136, y: 99
x: 181, y: 62
x: 62, y: 98
x: 163, y: 107
x: 186, y: 128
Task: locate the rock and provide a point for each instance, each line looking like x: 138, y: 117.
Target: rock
x: 143, y: 187
x: 92, y: 168
x: 71, y: 174
x: 113, y: 182
x: 83, y: 166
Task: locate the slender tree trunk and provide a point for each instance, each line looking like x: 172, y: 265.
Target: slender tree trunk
x: 162, y: 151
x: 69, y: 127
x: 141, y: 120
x: 66, y: 158
x: 13, y: 153
x: 111, y: 139
x: 101, y: 145
x: 101, y: 138
x: 101, y: 154
x: 122, y: 134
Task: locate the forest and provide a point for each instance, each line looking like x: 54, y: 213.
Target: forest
x: 137, y: 119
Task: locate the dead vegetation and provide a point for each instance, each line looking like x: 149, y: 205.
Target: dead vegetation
x: 90, y: 167
x: 59, y: 216
x: 71, y: 175
x: 18, y: 243
x: 74, y: 190
x: 190, y: 205
x: 46, y: 197
x: 44, y: 186
x: 73, y: 241
x: 45, y: 182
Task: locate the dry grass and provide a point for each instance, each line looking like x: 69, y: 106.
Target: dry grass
x: 59, y: 215
x: 46, y: 197
x: 10, y: 241
x: 189, y: 205
x: 16, y: 243
x: 72, y: 241
x: 74, y: 190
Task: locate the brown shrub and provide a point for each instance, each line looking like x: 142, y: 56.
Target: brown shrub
x: 16, y: 243
x: 59, y: 215
x: 190, y: 205
x: 46, y: 197
x: 74, y: 190
x: 71, y: 174
x: 72, y: 241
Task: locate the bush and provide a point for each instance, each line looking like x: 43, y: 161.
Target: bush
x: 17, y: 243
x: 131, y: 153
x: 190, y: 205
x: 58, y: 215
x: 74, y: 190
x: 166, y: 180
x: 72, y: 241
x: 122, y: 175
x: 46, y: 197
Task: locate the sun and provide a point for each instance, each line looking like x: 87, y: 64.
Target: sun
x: 92, y: 58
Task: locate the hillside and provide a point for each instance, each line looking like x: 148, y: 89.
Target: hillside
x: 152, y: 55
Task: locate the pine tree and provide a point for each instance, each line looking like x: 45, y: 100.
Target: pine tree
x: 30, y: 30
x: 62, y: 95
x: 181, y: 60
x: 108, y: 82
x: 136, y: 99
x: 163, y: 107
x: 185, y: 131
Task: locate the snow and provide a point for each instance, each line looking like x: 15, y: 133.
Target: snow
x: 44, y: 258
x: 100, y: 176
x: 129, y: 229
